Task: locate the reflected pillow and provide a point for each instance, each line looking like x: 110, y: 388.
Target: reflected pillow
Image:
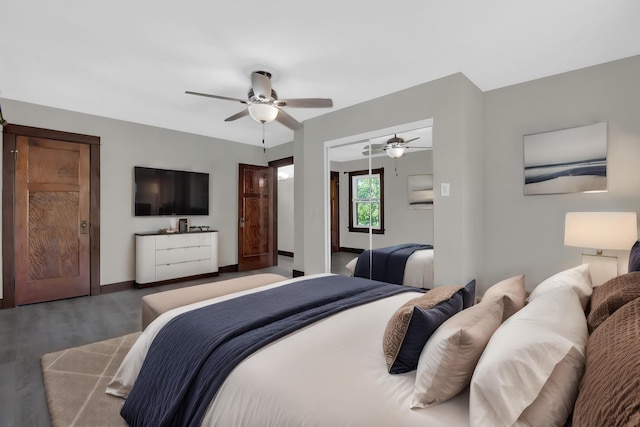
x: 577, y: 278
x: 413, y: 323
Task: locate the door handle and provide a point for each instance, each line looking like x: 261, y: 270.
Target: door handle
x: 84, y: 227
x: 241, y: 222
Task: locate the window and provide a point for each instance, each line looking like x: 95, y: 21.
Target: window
x: 366, y: 192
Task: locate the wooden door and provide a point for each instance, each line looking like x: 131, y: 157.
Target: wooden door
x: 52, y: 196
x: 255, y: 217
x: 334, y: 196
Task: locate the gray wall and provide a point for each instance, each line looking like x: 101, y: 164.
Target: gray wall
x: 525, y: 234
x: 125, y: 145
x: 281, y: 151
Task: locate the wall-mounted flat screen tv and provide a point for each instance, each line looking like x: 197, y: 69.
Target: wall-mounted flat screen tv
x: 170, y: 192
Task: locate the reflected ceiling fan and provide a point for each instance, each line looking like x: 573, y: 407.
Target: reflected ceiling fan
x: 394, y: 147
x: 263, y: 104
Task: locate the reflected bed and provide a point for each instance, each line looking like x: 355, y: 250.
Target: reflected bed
x: 418, y: 270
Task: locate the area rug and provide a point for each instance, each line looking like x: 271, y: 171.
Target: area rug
x: 75, y: 381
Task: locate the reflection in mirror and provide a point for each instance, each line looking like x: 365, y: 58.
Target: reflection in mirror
x: 381, y: 196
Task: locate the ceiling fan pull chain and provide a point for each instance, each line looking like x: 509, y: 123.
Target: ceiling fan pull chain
x: 264, y: 148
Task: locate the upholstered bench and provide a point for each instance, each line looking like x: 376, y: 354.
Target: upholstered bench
x: 153, y: 305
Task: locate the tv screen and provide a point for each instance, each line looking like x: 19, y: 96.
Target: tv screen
x: 170, y: 192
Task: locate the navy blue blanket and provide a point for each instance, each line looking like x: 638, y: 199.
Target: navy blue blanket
x: 192, y: 355
x: 387, y: 263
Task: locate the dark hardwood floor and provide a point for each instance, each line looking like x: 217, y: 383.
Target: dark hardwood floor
x: 27, y: 332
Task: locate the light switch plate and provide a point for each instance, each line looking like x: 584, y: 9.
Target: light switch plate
x: 444, y: 189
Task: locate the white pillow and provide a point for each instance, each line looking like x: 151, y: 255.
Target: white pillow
x: 351, y: 266
x: 530, y: 371
x: 448, y: 359
x: 578, y: 278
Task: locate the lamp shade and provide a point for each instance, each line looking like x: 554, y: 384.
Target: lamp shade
x: 263, y: 113
x: 395, y: 152
x: 601, y: 230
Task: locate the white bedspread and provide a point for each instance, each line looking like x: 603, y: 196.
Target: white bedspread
x: 331, y: 373
x: 418, y: 272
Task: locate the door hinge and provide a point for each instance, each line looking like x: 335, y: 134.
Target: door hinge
x: 15, y: 155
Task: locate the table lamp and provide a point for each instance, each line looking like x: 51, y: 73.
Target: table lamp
x: 601, y: 231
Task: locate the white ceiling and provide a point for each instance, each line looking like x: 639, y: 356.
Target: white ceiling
x: 133, y: 60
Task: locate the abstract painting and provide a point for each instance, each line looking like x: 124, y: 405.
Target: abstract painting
x: 420, y: 191
x: 566, y: 161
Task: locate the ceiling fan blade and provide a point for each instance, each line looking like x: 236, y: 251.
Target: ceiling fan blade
x: 375, y: 146
x: 305, y: 103
x: 261, y: 84
x: 242, y: 113
x: 216, y: 96
x: 284, y: 118
x: 373, y: 152
x: 412, y: 139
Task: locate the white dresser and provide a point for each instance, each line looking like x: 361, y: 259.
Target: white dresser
x: 162, y: 257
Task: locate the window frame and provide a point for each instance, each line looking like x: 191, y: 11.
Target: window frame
x: 380, y: 229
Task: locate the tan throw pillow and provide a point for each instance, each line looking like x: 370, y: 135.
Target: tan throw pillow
x: 413, y: 323
x: 513, y: 292
x: 612, y: 295
x: 609, y: 388
x: 529, y: 373
x: 448, y: 359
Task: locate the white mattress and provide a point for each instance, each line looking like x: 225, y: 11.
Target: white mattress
x: 418, y: 271
x: 331, y: 373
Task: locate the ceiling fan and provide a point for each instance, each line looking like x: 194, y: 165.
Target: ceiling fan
x: 263, y: 104
x: 394, y: 147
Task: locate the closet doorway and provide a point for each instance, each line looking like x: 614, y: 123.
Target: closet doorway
x: 284, y: 206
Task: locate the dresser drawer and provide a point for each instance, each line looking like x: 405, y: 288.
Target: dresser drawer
x: 189, y: 253
x: 182, y: 269
x: 183, y: 240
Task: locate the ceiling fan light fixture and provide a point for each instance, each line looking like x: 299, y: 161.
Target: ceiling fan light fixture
x: 395, y: 152
x: 263, y: 113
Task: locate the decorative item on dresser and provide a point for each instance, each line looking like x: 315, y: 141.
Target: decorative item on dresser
x: 161, y: 257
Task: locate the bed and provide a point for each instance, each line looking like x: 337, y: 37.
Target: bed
x: 335, y: 371
x: 418, y: 270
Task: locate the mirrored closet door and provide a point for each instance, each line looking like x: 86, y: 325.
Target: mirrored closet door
x: 381, y: 195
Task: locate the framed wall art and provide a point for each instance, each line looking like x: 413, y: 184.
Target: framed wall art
x: 566, y: 161
x: 420, y: 191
